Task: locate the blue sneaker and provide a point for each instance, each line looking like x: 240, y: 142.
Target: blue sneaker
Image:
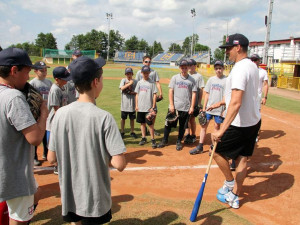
x: 227, y: 187
x: 230, y: 199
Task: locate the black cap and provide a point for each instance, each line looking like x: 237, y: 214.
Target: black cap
x: 40, y: 65
x: 77, y: 52
x: 14, y: 57
x: 254, y: 56
x: 235, y: 39
x: 218, y: 63
x: 146, y: 69
x: 128, y: 70
x: 184, y: 62
x: 100, y: 61
x: 83, y: 68
x: 61, y: 73
x: 192, y: 62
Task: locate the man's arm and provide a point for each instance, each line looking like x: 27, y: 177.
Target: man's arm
x: 159, y: 88
x: 232, y: 111
x: 191, y: 111
x: 171, y: 100
x: 118, y: 162
x: 51, y: 157
x: 266, y: 89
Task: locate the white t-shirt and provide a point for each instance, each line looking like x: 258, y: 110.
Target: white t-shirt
x: 244, y: 76
x: 263, y: 76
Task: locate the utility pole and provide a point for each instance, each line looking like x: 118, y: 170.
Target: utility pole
x: 193, y: 12
x: 268, y: 25
x: 109, y: 16
x: 226, y: 38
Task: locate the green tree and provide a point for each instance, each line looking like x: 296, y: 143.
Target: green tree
x: 175, y: 48
x: 219, y: 53
x: 156, y: 48
x: 116, y: 42
x: 30, y: 48
x: 46, y: 41
x: 200, y: 48
x: 143, y: 46
x: 132, y: 43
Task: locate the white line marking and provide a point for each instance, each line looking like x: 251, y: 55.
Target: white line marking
x: 282, y: 121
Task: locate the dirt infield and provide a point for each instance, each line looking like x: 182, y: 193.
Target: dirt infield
x: 161, y: 184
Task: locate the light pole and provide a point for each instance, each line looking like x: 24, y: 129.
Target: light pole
x: 268, y: 26
x: 109, y: 16
x: 226, y: 38
x: 193, y: 12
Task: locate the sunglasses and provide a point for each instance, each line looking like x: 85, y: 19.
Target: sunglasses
x: 147, y: 61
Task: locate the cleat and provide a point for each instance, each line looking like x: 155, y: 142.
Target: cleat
x: 230, y: 199
x: 197, y: 150
x: 143, y: 141
x: 178, y: 146
x: 153, y: 143
x: 227, y: 187
x: 133, y: 135
x: 162, y: 144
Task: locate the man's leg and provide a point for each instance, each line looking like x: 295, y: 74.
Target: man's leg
x: 224, y: 166
x: 132, y: 125
x: 122, y: 125
x: 241, y: 173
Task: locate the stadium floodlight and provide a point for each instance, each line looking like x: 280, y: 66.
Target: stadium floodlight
x: 109, y: 16
x: 193, y: 12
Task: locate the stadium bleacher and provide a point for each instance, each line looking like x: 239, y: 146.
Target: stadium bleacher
x: 129, y: 56
x: 167, y: 57
x: 200, y: 57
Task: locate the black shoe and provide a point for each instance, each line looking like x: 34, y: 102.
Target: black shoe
x: 197, y: 150
x: 187, y: 139
x: 193, y: 138
x: 143, y: 141
x: 178, y: 146
x: 36, y: 162
x: 162, y: 144
x: 122, y: 134
x: 153, y: 143
x: 133, y: 135
x: 156, y: 133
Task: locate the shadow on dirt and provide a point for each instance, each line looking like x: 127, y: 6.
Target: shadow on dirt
x: 266, y: 134
x: 133, y: 157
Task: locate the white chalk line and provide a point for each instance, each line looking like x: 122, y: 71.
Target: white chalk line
x: 282, y: 121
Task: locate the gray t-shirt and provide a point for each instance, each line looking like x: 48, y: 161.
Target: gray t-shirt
x: 153, y: 75
x: 127, y: 100
x: 71, y: 90
x: 16, y: 154
x: 43, y: 86
x: 215, y: 87
x: 199, y: 84
x: 85, y: 138
x: 145, y: 90
x: 57, y: 97
x: 182, y: 90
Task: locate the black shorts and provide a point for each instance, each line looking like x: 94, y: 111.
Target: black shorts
x: 238, y: 141
x: 72, y: 217
x: 125, y: 114
x: 141, y: 118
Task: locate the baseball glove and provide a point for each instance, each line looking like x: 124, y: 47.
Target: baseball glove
x: 202, y: 118
x: 151, y: 114
x: 34, y: 100
x: 159, y: 98
x: 171, y: 117
x: 128, y: 90
x: 196, y: 111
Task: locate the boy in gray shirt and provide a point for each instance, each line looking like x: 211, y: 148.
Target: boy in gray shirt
x: 182, y: 97
x: 145, y: 101
x: 127, y: 87
x: 43, y: 86
x: 85, y: 141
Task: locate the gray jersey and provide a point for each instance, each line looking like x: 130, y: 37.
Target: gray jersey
x: 43, y: 86
x: 215, y: 87
x: 145, y: 90
x: 57, y: 97
x: 182, y: 91
x: 199, y: 84
x: 127, y: 100
x: 71, y: 90
x: 16, y: 154
x: 85, y: 138
x: 153, y: 76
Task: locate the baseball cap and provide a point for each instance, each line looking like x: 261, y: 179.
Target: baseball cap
x: 235, y: 39
x: 40, y: 65
x: 254, y: 56
x: 128, y: 70
x: 61, y: 73
x: 184, y: 63
x: 192, y: 62
x: 77, y: 52
x: 218, y: 63
x: 14, y: 57
x: 146, y: 69
x: 83, y: 68
x: 100, y: 61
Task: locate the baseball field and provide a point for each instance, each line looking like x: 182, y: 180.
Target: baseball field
x: 159, y: 186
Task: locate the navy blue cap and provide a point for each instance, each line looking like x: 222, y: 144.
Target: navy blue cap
x: 83, y: 68
x: 61, y: 73
x: 192, y: 62
x: 254, y: 56
x: 77, y: 52
x: 235, y: 39
x: 100, y: 61
x: 14, y: 57
x: 40, y: 65
x: 218, y: 63
x: 128, y: 70
x: 146, y: 69
x: 184, y: 62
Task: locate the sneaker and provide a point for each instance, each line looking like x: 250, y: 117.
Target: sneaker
x: 153, y: 143
x: 193, y: 138
x: 227, y: 187
x: 36, y: 162
x: 143, y: 141
x: 178, y: 146
x: 133, y: 135
x: 122, y: 134
x: 187, y: 139
x: 55, y: 170
x: 229, y: 198
x: 232, y: 166
x: 156, y: 133
x: 197, y: 150
x: 162, y: 144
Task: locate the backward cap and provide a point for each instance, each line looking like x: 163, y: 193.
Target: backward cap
x: 62, y: 73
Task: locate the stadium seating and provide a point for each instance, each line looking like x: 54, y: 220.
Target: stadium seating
x: 167, y: 57
x: 129, y: 56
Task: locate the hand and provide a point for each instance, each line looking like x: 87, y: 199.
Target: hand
x: 216, y: 136
x: 191, y: 111
x: 130, y: 82
x: 214, y: 106
x: 263, y: 101
x: 136, y: 108
x: 172, y: 109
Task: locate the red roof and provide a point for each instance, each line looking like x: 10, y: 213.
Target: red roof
x: 274, y: 42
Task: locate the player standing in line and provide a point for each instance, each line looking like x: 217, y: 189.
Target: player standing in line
x: 238, y: 132
x: 58, y: 97
x: 214, y: 92
x: 19, y: 133
x: 182, y: 97
x: 85, y: 141
x: 145, y: 101
x: 155, y: 78
x: 43, y: 86
x: 127, y: 87
x: 191, y: 138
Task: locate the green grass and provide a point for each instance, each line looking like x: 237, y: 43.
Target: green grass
x: 284, y: 104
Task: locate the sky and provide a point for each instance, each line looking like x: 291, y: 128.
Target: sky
x: 166, y: 21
